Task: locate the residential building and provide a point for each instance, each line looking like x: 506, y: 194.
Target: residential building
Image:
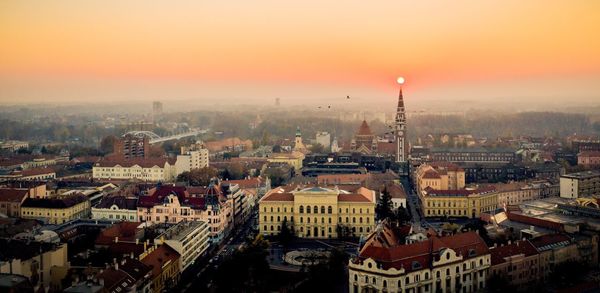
x: 44, y: 264
x: 459, y: 203
x: 57, y: 209
x: 581, y: 184
x: 13, y: 196
x: 324, y: 139
x: 193, y: 157
x: 14, y: 145
x: 457, y: 263
x: 227, y: 145
x: 293, y: 159
x: 318, y: 212
x: 189, y: 238
x: 132, y: 146
x: 439, y: 176
x: 515, y: 193
x: 239, y: 199
x: 174, y: 204
x: 166, y: 267
x: 153, y: 170
x: 116, y: 208
x: 398, y: 195
x: 554, y: 249
x: 473, y: 155
x: 588, y: 158
x: 518, y: 263
x: 32, y: 174
x: 342, y: 179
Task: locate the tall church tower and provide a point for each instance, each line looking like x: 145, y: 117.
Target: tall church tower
x: 400, y: 128
x: 298, y: 145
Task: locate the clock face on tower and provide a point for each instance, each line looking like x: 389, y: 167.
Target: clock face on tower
x: 400, y: 132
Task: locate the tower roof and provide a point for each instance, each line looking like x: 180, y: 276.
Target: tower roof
x: 298, y: 133
x: 364, y: 129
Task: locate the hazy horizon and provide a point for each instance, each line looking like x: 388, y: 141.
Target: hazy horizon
x: 307, y: 52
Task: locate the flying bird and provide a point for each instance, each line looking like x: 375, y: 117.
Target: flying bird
x: 347, y: 97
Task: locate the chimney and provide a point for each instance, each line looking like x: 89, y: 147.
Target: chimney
x: 117, y: 239
x: 509, y: 242
x: 101, y: 281
x: 123, y: 261
x: 137, y: 241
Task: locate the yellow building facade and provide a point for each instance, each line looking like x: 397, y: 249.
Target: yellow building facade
x: 458, y: 203
x: 293, y: 159
x: 56, y: 210
x: 439, y: 176
x: 318, y: 212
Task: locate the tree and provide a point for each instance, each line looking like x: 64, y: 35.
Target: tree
x: 317, y: 148
x: 286, y: 235
x: 384, y: 206
x: 327, y: 276
x: 277, y: 148
x: 198, y: 177
x: 247, y: 270
x: 402, y: 215
x: 107, y: 144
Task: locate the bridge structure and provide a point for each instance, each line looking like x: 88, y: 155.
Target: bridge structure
x: 155, y: 138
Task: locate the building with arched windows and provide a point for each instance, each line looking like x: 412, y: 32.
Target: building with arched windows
x: 457, y: 263
x: 318, y: 212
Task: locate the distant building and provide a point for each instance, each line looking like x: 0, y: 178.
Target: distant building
x: 227, y: 145
x: 157, y: 108
x: 342, y: 179
x: 473, y: 155
x: 195, y: 156
x: 581, y: 184
x: 457, y: 263
x: 318, y: 212
x: 34, y: 174
x: 298, y: 144
x: 14, y: 145
x: 189, y: 238
x: 12, y: 198
x: 56, y: 210
x: 152, y: 170
x: 439, y: 176
x: 364, y: 141
x: 324, y: 139
x: 588, y: 158
x: 132, y: 146
x: 293, y: 159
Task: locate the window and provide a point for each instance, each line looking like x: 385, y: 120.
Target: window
x: 315, y: 209
x: 329, y: 210
x: 322, y: 209
x: 301, y: 209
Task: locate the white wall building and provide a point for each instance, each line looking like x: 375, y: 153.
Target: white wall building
x: 153, y: 170
x: 189, y: 239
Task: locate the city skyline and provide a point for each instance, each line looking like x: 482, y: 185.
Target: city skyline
x: 68, y: 51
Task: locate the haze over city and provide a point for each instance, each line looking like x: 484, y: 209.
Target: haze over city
x: 299, y: 146
x: 303, y: 52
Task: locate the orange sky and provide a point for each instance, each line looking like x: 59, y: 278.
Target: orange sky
x: 72, y: 50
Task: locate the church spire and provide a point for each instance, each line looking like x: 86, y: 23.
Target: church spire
x: 400, y: 127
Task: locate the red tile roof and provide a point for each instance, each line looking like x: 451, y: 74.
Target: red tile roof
x: 460, y: 192
x: 364, y: 129
x: 589, y: 154
x: 197, y: 200
x: 353, y: 198
x: 431, y: 174
x: 467, y: 244
x: 158, y: 258
x: 126, y: 231
x: 544, y: 242
x: 518, y: 217
x: 499, y: 254
x: 13, y: 195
